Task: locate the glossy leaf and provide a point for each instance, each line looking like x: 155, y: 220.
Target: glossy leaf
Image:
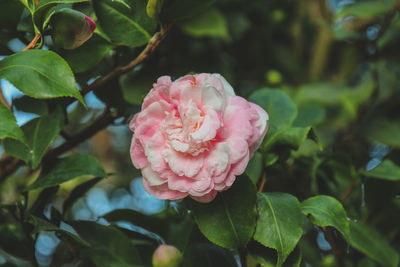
x: 293, y: 137
x: 8, y: 125
x: 40, y: 134
x: 255, y: 167
x: 230, y: 219
x: 326, y: 211
x: 281, y: 109
x: 279, y: 224
x: 267, y: 257
x: 372, y: 244
x: 40, y: 74
x: 387, y: 170
x: 69, y: 168
x: 88, y: 55
x: 109, y: 246
x: 125, y: 22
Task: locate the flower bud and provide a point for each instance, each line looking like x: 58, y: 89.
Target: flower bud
x: 71, y: 28
x: 167, y: 256
x: 153, y: 8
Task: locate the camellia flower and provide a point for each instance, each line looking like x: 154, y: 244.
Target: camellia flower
x: 193, y: 137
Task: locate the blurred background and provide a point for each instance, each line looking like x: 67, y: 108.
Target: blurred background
x: 338, y: 59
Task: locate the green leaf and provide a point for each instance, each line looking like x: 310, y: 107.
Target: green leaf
x: 267, y: 257
x: 109, y: 246
x: 125, y: 21
x: 40, y: 74
x: 281, y: 109
x: 14, y: 241
x: 279, y: 223
x: 8, y: 125
x: 178, y: 10
x: 229, y: 220
x: 29, y: 105
x: 293, y: 137
x: 383, y: 131
x: 45, y: 9
x: 309, y: 115
x: 326, y: 211
x: 40, y: 134
x: 372, y: 244
x: 201, y: 255
x: 79, y: 192
x: 254, y: 168
x: 211, y: 23
x: 387, y: 170
x: 88, y: 55
x: 69, y: 168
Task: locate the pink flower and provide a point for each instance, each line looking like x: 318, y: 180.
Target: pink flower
x: 193, y: 137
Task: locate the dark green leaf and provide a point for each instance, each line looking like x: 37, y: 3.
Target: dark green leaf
x: 201, y: 255
x: 267, y: 257
x: 372, y: 244
x: 293, y: 137
x: 8, y: 125
x: 29, y: 105
x: 309, y: 115
x: 69, y: 168
x: 211, y: 23
x: 10, y: 13
x: 255, y: 167
x: 14, y: 241
x: 40, y: 74
x: 230, y: 219
x: 109, y: 246
x: 88, y: 55
x: 125, y: 21
x: 387, y: 170
x: 78, y: 192
x: 281, y: 109
x: 279, y: 223
x: 326, y: 211
x: 367, y: 9
x: 40, y: 134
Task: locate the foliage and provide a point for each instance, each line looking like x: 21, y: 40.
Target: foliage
x: 323, y: 189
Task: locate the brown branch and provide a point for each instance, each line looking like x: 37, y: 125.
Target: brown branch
x: 337, y: 252
x: 3, y: 99
x: 147, y: 51
x: 348, y: 191
x: 32, y: 43
x: 262, y: 182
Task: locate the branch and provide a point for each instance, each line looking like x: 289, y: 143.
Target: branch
x: 348, y: 191
x: 9, y: 165
x: 262, y: 182
x: 147, y: 51
x: 32, y: 43
x: 3, y: 99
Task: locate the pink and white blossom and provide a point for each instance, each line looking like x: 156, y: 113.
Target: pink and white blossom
x: 193, y: 137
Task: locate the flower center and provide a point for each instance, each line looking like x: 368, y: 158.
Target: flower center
x: 179, y: 124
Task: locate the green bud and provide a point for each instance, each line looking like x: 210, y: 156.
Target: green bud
x: 71, y: 28
x: 153, y: 8
x: 167, y: 256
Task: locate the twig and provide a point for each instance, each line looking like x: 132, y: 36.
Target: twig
x: 348, y: 191
x: 338, y: 253
x: 32, y: 43
x: 147, y: 51
x: 3, y: 99
x: 262, y: 182
x: 9, y: 165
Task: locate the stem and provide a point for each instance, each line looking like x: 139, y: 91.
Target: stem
x: 262, y: 182
x: 243, y: 257
x: 329, y: 237
x: 9, y: 165
x: 147, y: 51
x: 348, y: 191
x: 3, y: 99
x: 32, y: 43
